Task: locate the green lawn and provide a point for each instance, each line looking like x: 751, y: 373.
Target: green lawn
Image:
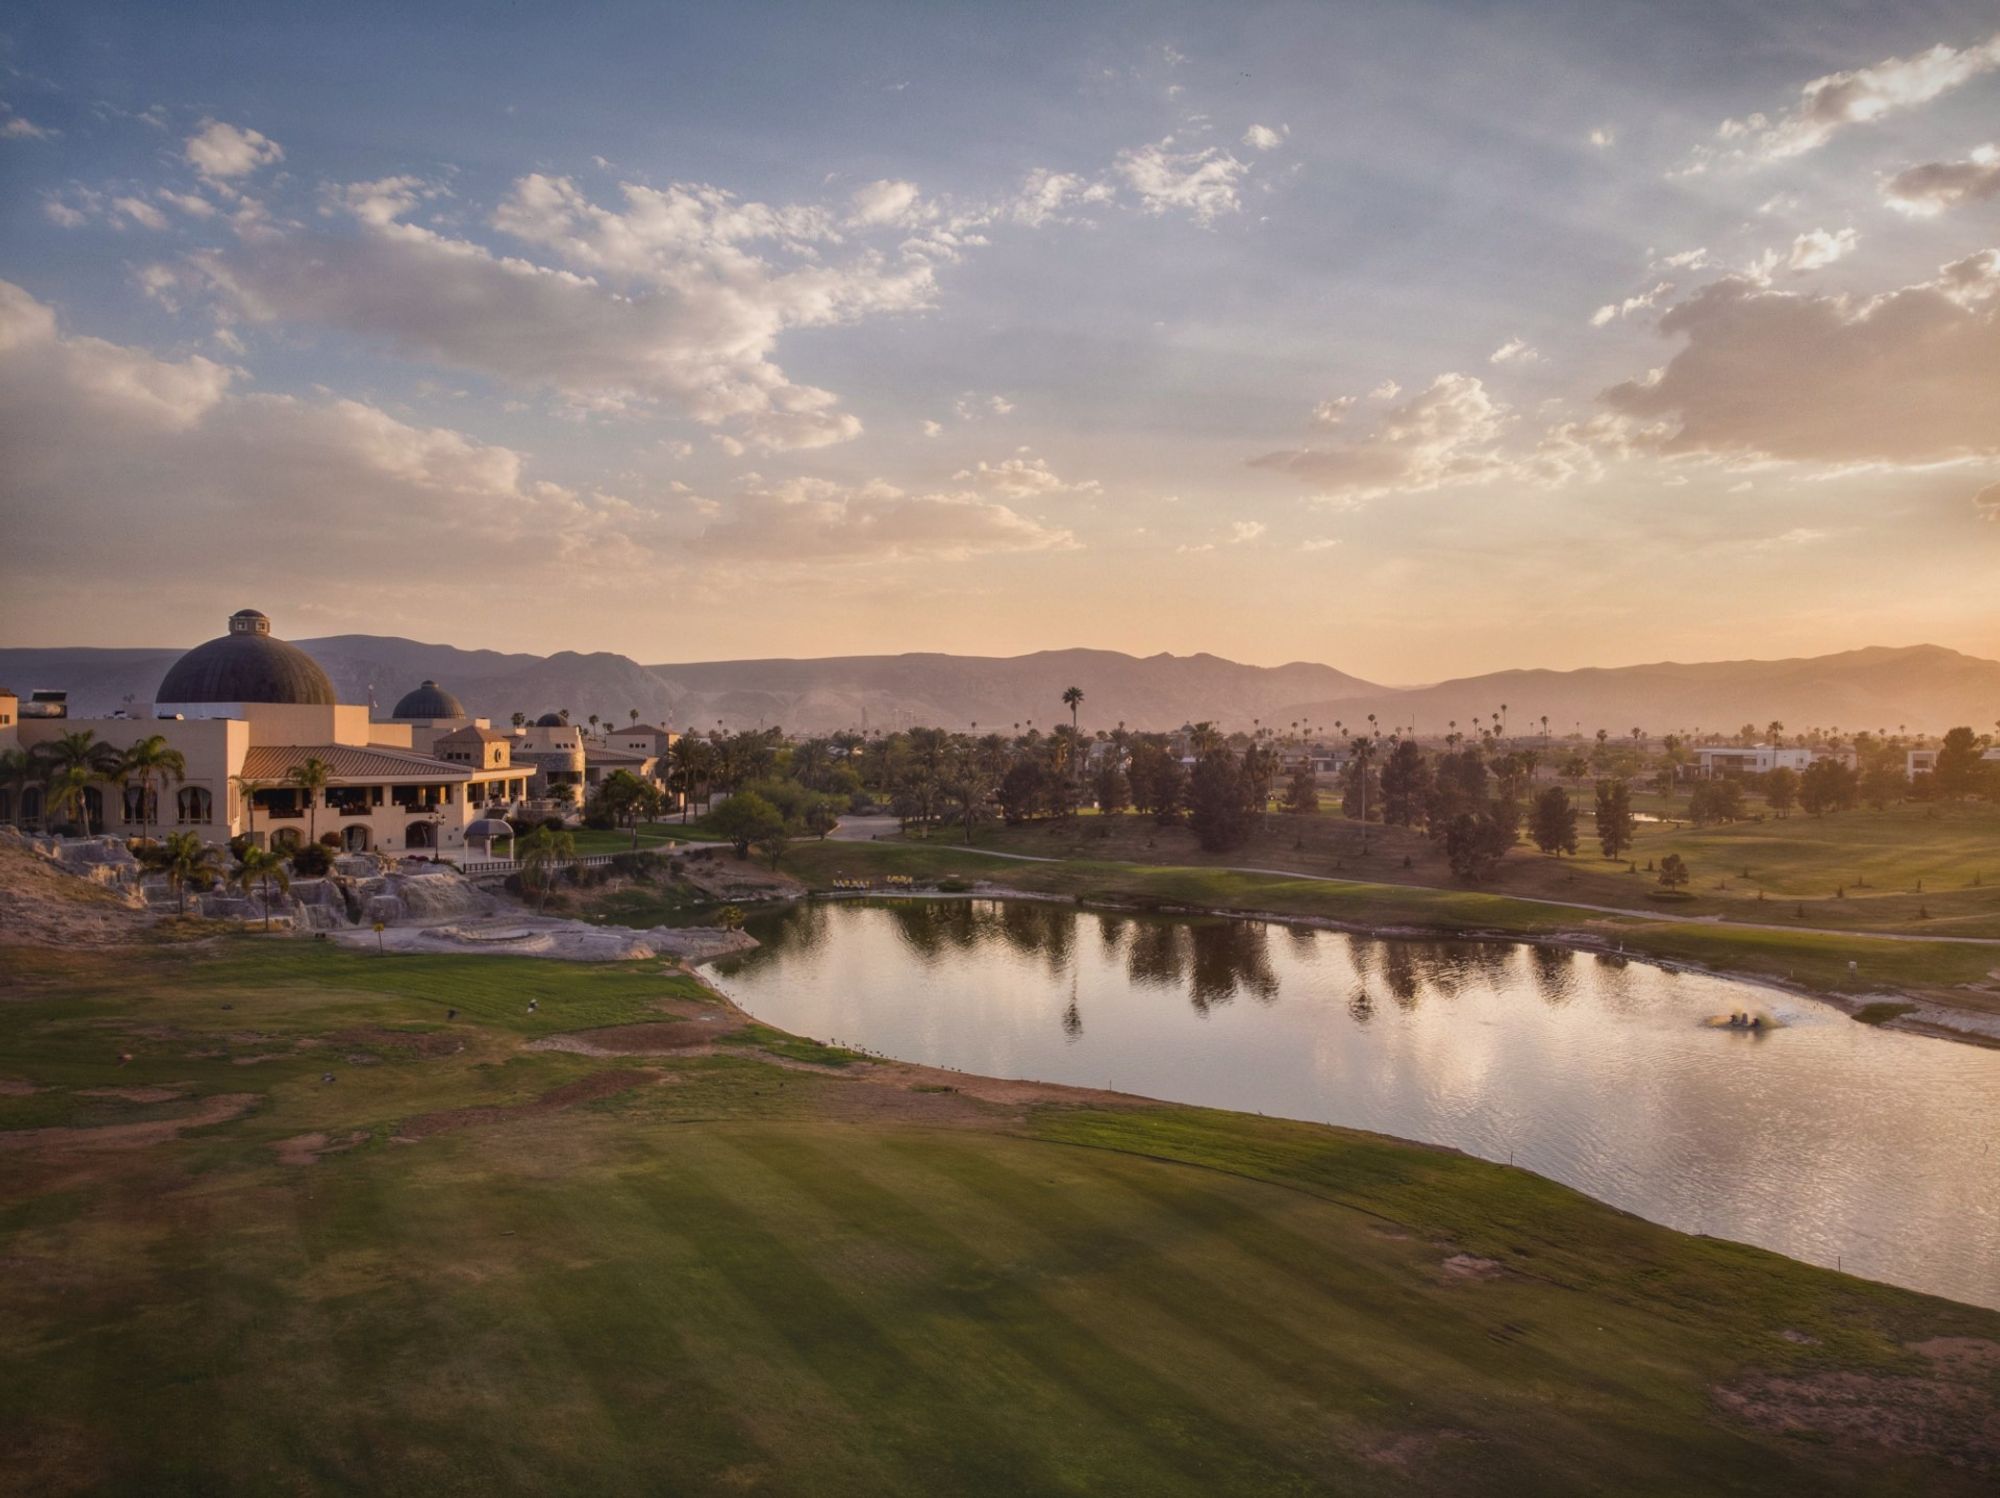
x: 716, y: 1273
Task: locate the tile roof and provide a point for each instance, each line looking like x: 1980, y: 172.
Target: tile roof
x: 274, y: 762
x: 474, y: 731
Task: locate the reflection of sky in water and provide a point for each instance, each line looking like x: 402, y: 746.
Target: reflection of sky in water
x: 1823, y: 1139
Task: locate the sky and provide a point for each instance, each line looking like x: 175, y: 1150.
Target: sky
x: 1419, y: 339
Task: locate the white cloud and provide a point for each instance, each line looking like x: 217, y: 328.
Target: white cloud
x: 80, y: 417
x: 1331, y: 412
x: 1514, y: 351
x: 1908, y: 377
x: 999, y: 405
x: 1044, y: 196
x: 1935, y: 186
x: 19, y: 127
x: 1987, y: 502
x: 1603, y: 137
x: 1693, y: 259
x: 1022, y: 478
x: 192, y: 204
x: 1201, y: 183
x: 933, y: 428
x: 1612, y: 311
x: 1861, y: 96
x: 667, y: 302
x: 1264, y: 138
x: 1817, y: 249
x: 140, y: 212
x: 885, y: 203
x: 1246, y: 530
x: 1445, y: 434
x: 221, y: 151
x: 1320, y: 543
x: 1388, y: 390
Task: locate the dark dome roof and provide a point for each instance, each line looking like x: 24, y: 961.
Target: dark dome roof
x: 429, y: 701
x: 246, y: 665
x: 551, y: 720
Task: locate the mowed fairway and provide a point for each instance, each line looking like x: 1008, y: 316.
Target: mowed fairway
x: 700, y: 1257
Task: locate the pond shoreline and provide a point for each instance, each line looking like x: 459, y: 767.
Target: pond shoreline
x: 1925, y: 1018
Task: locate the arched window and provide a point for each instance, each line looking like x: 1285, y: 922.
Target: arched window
x: 286, y: 840
x: 195, y: 805
x: 142, y: 805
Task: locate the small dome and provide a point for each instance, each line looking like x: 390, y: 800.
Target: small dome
x: 490, y: 827
x: 429, y: 701
x: 246, y: 665
x: 551, y: 720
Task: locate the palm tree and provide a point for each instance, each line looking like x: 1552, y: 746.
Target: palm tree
x: 185, y: 857
x: 263, y: 868
x: 311, y: 779
x: 1073, y: 699
x: 247, y: 787
x: 151, y: 756
x: 17, y: 772
x: 635, y: 715
x: 69, y: 790
x: 541, y: 853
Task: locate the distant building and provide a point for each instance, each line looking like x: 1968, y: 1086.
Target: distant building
x: 246, y: 711
x: 1761, y: 759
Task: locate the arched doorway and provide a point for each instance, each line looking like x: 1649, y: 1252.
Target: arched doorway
x: 285, y: 840
x: 354, y: 839
x: 421, y: 835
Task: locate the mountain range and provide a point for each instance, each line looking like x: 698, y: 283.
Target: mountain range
x: 1923, y: 687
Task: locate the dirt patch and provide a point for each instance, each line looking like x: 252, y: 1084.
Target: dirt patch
x: 303, y: 1149
x: 17, y: 1087
x: 1413, y: 1449
x: 655, y: 1038
x: 1471, y: 1267
x: 428, y: 1044
x: 1964, y: 1356
x: 588, y: 1089
x: 1956, y: 1423
x: 219, y: 1108
x: 134, y: 1094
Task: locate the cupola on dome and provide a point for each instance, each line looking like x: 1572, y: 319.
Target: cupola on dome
x: 429, y: 701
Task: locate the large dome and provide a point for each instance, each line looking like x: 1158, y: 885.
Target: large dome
x: 246, y: 665
x: 429, y: 701
x: 551, y: 720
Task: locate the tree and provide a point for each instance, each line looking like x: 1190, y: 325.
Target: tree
x: 1475, y: 842
x: 746, y: 818
x: 247, y: 787
x: 151, y: 757
x: 1216, y: 801
x: 1957, y: 770
x: 311, y: 780
x: 1023, y: 790
x: 630, y: 799
x: 1781, y: 790
x: 1828, y: 785
x: 1406, y: 783
x: 1553, y: 823
x: 69, y: 791
x: 1113, y: 790
x: 1302, y: 795
x: 18, y: 771
x: 262, y: 868
x: 1716, y: 801
x: 186, y: 859
x: 1072, y: 699
x: 543, y: 853
x: 1673, y: 871
x: 821, y: 819
x: 1615, y: 825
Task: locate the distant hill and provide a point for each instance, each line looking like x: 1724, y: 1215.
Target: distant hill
x: 1922, y: 686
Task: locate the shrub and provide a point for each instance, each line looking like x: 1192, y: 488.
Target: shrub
x: 310, y: 860
x: 330, y: 840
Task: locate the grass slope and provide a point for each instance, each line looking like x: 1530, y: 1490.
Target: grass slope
x: 767, y: 1267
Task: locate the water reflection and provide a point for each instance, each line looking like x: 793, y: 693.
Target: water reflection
x: 1825, y: 1139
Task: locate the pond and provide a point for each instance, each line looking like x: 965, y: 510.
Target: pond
x: 1821, y: 1138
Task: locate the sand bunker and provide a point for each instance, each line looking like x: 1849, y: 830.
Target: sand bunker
x: 549, y: 937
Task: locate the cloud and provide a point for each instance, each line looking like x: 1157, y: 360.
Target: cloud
x: 1388, y: 390
x: 1201, y: 183
x: 1514, y: 351
x: 221, y: 151
x: 1445, y: 434
x: 1044, y: 196
x: 89, y: 426
x: 1908, y: 377
x: 1935, y: 186
x: 1603, y: 137
x: 1331, y: 412
x: 1861, y: 96
x: 817, y: 520
x: 663, y: 303
x: 933, y: 428
x: 1693, y: 259
x: 1246, y: 530
x: 1264, y: 138
x: 1817, y: 249
x: 1987, y: 502
x: 1021, y: 478
x: 19, y: 127
x: 885, y: 203
x: 1612, y: 311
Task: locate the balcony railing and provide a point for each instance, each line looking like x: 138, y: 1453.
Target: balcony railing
x: 284, y: 813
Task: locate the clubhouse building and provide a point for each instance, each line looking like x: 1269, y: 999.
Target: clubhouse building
x: 251, y: 714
